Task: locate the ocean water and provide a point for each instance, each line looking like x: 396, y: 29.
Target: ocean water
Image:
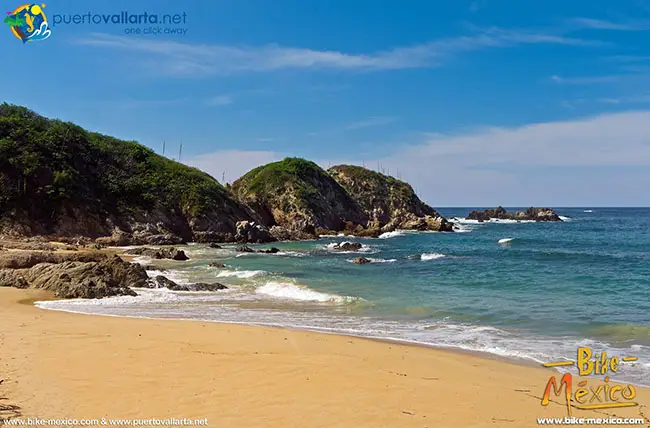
x: 532, y: 291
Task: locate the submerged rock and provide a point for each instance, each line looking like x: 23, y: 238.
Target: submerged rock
x: 213, y: 245
x: 361, y: 261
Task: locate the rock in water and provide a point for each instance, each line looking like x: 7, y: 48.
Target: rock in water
x: 347, y: 246
x: 361, y: 261
x: 271, y: 250
x: 217, y: 265
x: 160, y: 253
x: 245, y: 249
x: 531, y: 214
x: 163, y: 282
x: 213, y: 245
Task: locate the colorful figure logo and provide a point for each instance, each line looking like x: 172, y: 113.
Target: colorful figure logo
x: 28, y: 23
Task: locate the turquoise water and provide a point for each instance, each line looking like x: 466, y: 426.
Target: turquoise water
x: 548, y: 289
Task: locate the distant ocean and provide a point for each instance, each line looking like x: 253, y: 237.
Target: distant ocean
x: 534, y: 291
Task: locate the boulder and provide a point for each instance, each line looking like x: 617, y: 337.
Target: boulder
x: 216, y: 246
x: 92, y: 280
x: 160, y: 281
x: 361, y: 261
x: 163, y: 282
x: 248, y: 231
x: 160, y: 253
x: 217, y: 265
x: 244, y: 249
x: 347, y: 246
x: 12, y: 278
x: 271, y: 250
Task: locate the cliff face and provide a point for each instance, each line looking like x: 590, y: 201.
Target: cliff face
x: 298, y: 198
x: 388, y: 203
x: 58, y: 179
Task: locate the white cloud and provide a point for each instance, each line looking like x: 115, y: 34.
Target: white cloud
x: 585, y: 80
x: 601, y: 24
x: 184, y: 59
x: 221, y: 100
x: 554, y: 163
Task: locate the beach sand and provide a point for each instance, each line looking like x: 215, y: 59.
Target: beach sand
x: 56, y: 365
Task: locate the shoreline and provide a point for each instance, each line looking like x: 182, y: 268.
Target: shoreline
x: 59, y: 364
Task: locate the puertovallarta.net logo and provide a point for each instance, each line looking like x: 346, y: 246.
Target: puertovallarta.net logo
x: 28, y: 23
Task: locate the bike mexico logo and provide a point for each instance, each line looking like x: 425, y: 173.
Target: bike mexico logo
x: 591, y: 397
x: 28, y: 23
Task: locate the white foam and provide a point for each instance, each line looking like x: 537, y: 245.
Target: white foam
x: 392, y: 234
x: 242, y: 274
x: 291, y: 254
x: 506, y: 240
x: 340, y: 235
x: 431, y: 256
x: 565, y: 218
x: 463, y: 220
x: 288, y: 290
x: 588, y: 211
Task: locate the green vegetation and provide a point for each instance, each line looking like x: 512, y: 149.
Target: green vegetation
x: 50, y: 168
x: 300, y: 175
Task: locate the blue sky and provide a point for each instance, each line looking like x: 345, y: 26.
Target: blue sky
x: 480, y: 102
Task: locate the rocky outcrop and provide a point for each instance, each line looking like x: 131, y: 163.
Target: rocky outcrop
x: 160, y: 253
x: 346, y: 246
x: 298, y: 197
x: 86, y: 280
x: 164, y: 282
x: 25, y: 260
x: 248, y: 231
x: 361, y: 261
x: 531, y: 214
x: 245, y: 249
x: 388, y: 203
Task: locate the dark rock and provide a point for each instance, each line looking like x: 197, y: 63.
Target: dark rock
x: 160, y: 253
x: 244, y: 249
x: 217, y: 265
x: 248, y: 231
x: 532, y: 213
x: 202, y: 286
x: 361, y: 261
x: 164, y: 282
x: 347, y: 246
x: 160, y: 281
x: 213, y: 245
x: 271, y: 250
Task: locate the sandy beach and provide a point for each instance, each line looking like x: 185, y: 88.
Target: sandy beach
x: 64, y: 365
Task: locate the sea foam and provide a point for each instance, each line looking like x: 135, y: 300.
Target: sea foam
x: 431, y: 256
x: 288, y: 290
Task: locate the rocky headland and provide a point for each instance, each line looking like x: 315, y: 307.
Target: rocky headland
x: 62, y: 182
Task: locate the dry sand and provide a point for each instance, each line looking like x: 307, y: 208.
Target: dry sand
x: 56, y: 364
